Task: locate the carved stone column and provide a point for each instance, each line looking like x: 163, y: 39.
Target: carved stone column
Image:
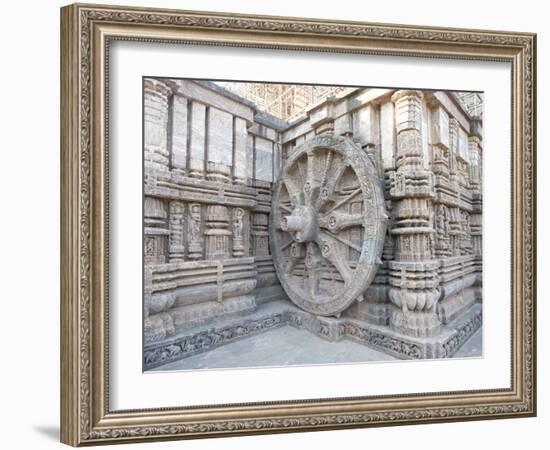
x: 475, y: 152
x: 455, y: 230
x: 194, y: 235
x: 476, y: 227
x: 453, y: 150
x: 155, y: 230
x: 217, y: 233
x: 413, y: 273
x: 440, y: 141
x: 176, y: 249
x: 260, y: 234
x: 442, y: 239
x: 155, y: 112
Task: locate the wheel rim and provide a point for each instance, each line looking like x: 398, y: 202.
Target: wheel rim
x: 327, y: 224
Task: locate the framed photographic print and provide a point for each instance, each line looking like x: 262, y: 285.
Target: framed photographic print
x: 279, y: 224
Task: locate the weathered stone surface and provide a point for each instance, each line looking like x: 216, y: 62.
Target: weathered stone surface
x: 368, y: 208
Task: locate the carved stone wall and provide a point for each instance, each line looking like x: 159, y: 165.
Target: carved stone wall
x: 211, y: 159
x: 428, y: 151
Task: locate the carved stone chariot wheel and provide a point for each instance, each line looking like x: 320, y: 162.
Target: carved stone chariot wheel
x: 327, y: 224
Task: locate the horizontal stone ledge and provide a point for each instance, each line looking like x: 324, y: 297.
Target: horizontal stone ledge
x: 186, y: 317
x: 169, y: 267
x: 196, y: 294
x: 152, y: 231
x: 457, y: 285
x: 453, y: 260
x: 160, y: 288
x: 413, y: 230
x: 414, y: 266
x: 200, y: 196
x: 261, y: 209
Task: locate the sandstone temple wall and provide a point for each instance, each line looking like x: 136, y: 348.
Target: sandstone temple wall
x: 211, y: 159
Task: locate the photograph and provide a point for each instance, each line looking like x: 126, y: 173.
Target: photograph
x: 303, y: 224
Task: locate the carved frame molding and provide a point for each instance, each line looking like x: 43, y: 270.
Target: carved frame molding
x: 86, y: 31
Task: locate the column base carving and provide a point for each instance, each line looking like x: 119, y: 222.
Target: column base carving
x: 415, y: 323
x: 275, y: 314
x: 158, y: 327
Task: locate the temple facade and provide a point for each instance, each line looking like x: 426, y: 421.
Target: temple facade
x: 212, y: 164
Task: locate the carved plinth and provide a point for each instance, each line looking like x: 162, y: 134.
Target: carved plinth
x: 260, y: 235
x: 218, y: 172
x: 416, y: 324
x: 217, y: 233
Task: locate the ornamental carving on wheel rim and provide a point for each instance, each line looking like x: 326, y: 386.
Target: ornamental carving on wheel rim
x: 328, y: 224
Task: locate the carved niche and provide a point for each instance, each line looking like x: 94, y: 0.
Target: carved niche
x: 328, y: 224
x: 194, y: 236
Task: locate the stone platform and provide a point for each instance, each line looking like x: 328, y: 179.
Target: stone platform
x: 288, y: 346
x: 313, y: 340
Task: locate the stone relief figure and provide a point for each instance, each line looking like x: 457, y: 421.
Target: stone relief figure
x: 194, y: 234
x: 149, y: 249
x: 238, y: 224
x: 441, y: 225
x: 177, y: 247
x: 238, y: 246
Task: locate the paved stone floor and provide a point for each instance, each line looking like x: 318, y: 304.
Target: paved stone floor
x: 290, y: 346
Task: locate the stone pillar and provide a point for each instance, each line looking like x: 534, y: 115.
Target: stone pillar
x: 155, y: 230
x: 197, y: 140
x: 476, y: 228
x: 220, y: 142
x: 475, y: 152
x: 217, y: 233
x: 240, y: 151
x: 441, y: 223
x: 455, y: 230
x: 156, y: 96
x: 440, y: 142
x: 176, y: 250
x: 260, y: 234
x: 194, y: 235
x: 453, y: 150
x: 179, y: 130
x: 413, y: 274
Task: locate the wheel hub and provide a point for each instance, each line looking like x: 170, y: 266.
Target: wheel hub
x: 302, y: 223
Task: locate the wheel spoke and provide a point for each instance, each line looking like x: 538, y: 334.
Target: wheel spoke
x: 285, y: 208
x: 332, y: 252
x: 314, y: 267
x: 337, y: 221
x: 345, y: 200
x: 311, y: 184
x: 296, y: 253
x: 328, y: 161
x: 293, y: 191
x: 343, y: 241
x: 284, y: 247
x: 329, y: 186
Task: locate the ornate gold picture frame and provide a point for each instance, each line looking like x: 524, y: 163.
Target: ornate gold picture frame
x: 87, y: 32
